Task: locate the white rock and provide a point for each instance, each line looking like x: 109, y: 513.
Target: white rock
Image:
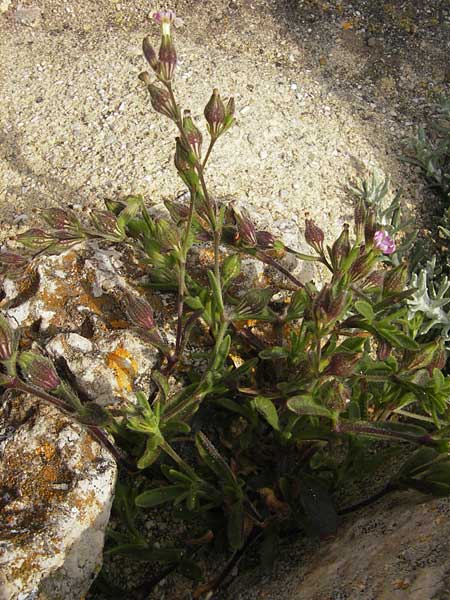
x: 56, y: 490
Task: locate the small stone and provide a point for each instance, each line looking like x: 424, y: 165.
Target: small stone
x: 4, y: 5
x: 263, y: 154
x: 371, y: 42
x: 28, y: 15
x: 322, y: 61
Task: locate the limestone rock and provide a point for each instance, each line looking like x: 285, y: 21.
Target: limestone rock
x: 56, y: 490
x: 108, y: 367
x: 397, y: 548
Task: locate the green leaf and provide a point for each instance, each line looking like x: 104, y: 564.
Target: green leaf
x: 163, y: 385
x: 150, y: 455
x: 216, y: 290
x: 209, y: 454
x: 274, y: 353
x: 194, y: 302
x: 159, y: 495
x: 235, y: 527
x: 231, y: 268
x: 305, y: 405
x: 396, y: 338
x: 267, y: 408
x: 365, y: 309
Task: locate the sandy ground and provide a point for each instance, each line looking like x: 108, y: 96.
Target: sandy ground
x: 325, y: 92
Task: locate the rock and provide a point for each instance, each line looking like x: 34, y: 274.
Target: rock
x: 56, y: 490
x: 397, y: 548
x: 107, y: 367
x: 28, y: 15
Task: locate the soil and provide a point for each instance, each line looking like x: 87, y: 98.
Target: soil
x: 326, y: 92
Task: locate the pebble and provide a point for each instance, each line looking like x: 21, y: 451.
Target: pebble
x: 263, y: 154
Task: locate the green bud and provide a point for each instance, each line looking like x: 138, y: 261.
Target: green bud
x: 8, y: 340
x: 426, y: 356
x: 340, y: 248
x: 184, y: 162
x: 360, y: 219
x: 35, y: 239
x: 160, y: 98
x: 193, y: 134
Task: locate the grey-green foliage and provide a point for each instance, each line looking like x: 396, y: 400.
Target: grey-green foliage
x: 430, y: 300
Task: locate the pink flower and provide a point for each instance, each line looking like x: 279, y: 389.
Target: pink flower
x: 164, y: 16
x: 384, y: 242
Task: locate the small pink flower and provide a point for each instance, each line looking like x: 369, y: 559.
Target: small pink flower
x: 384, y: 242
x: 164, y: 16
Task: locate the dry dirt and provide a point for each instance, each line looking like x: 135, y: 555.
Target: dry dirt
x: 326, y: 92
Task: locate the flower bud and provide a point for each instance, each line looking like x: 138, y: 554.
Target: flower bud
x: 328, y: 305
x: 360, y: 219
x: 370, y: 227
x: 13, y: 266
x: 39, y: 371
x: 334, y: 395
x: 341, y: 247
x: 35, y: 239
x: 253, y: 302
x: 150, y: 54
x: 179, y: 210
x: 395, y: 280
x: 8, y: 339
x: 193, y: 134
x: 60, y: 218
x: 184, y: 161
x: 342, y: 364
x: 139, y: 312
x: 374, y: 280
x: 246, y: 229
x: 114, y: 206
x: 362, y: 266
x: 105, y: 224
x: 167, y: 58
x: 314, y: 236
x: 265, y: 240
x: 384, y: 350
x: 229, y: 115
x: 159, y: 97
x: 215, y: 114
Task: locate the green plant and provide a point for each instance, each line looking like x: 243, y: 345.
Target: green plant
x: 304, y: 389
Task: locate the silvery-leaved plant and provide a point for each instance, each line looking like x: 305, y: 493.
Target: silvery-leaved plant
x: 296, y: 392
x: 428, y: 303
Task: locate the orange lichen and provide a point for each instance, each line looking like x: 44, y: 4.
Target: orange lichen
x: 124, y: 367
x: 46, y: 451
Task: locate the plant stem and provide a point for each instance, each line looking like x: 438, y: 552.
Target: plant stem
x: 208, y: 152
x: 182, y: 275
x: 268, y: 260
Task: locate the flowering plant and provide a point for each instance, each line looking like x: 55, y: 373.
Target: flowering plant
x: 304, y: 389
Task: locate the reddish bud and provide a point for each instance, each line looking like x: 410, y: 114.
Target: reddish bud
x: 215, y: 113
x: 184, y: 161
x: 265, y: 239
x: 160, y: 98
x: 426, y: 356
x: 395, y: 280
x: 167, y: 58
x: 39, y: 371
x: 341, y: 364
x: 360, y: 219
x: 362, y: 266
x: 384, y: 350
x: 150, y: 54
x: 370, y: 227
x: 106, y: 224
x: 139, y: 312
x: 246, y: 228
x: 8, y: 339
x: 59, y: 218
x: 13, y: 266
x: 314, y: 236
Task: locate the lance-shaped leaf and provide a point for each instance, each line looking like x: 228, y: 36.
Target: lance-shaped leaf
x: 268, y: 410
x: 160, y: 495
x: 306, y: 405
x: 235, y: 526
x: 211, y: 457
